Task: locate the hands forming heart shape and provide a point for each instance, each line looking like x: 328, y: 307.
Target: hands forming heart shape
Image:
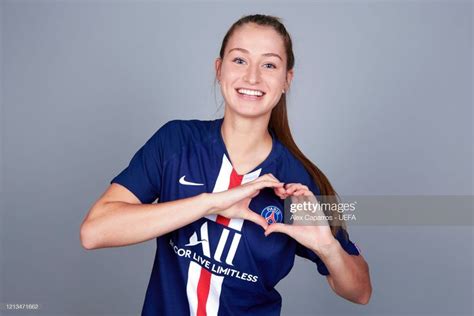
x: 234, y: 203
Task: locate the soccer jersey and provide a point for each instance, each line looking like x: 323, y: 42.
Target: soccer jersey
x: 215, y: 265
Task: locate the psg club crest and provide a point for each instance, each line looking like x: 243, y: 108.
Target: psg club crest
x: 272, y: 214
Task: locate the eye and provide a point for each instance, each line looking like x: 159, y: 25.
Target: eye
x: 238, y: 59
x: 272, y: 66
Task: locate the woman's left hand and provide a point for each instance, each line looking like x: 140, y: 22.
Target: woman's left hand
x: 311, y: 235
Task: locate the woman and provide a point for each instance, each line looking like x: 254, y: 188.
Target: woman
x: 221, y: 243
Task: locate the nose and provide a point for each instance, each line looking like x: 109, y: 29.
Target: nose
x: 252, y: 74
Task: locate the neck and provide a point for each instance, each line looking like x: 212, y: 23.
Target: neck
x: 246, y: 138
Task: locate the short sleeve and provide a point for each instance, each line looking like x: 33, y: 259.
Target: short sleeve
x: 342, y: 236
x: 143, y: 174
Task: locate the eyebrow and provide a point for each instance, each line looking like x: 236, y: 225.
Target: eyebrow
x: 247, y: 52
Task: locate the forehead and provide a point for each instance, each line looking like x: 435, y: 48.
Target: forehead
x: 257, y: 40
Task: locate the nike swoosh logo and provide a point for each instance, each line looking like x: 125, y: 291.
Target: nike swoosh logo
x: 184, y: 182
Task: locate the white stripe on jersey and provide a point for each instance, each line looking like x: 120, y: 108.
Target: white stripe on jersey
x: 212, y: 305
x: 194, y: 271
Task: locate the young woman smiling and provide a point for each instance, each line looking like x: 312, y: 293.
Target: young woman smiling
x: 221, y: 243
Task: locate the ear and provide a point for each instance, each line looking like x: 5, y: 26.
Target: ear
x: 217, y: 65
x: 289, y: 78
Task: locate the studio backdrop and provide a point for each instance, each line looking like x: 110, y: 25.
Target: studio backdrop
x: 381, y: 102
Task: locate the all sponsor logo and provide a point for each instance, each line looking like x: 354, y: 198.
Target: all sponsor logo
x: 218, y: 261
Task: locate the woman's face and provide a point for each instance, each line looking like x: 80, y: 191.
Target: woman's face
x: 252, y: 73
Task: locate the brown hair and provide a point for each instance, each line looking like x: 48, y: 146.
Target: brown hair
x: 279, y: 118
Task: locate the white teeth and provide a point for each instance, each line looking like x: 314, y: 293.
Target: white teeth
x: 250, y: 92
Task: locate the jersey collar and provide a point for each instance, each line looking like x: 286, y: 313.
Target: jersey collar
x: 274, y: 153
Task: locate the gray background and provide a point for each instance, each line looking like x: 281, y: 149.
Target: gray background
x: 381, y: 102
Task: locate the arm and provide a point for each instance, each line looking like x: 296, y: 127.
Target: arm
x: 349, y: 276
x: 119, y: 219
x: 119, y: 223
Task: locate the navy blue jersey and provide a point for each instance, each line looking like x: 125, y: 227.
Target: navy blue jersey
x: 215, y: 265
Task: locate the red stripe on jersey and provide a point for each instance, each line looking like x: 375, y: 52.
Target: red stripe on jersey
x: 205, y: 277
x: 235, y: 180
x: 203, y: 291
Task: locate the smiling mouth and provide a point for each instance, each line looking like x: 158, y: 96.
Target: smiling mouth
x: 250, y: 93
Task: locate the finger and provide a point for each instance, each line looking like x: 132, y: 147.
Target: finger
x: 297, y: 193
x: 256, y: 218
x: 266, y: 177
x: 291, y: 188
x: 277, y: 228
x: 267, y: 184
x: 281, y: 195
x: 303, y: 193
x: 295, y: 186
x: 280, y: 190
x: 298, y: 185
x: 272, y: 177
x: 300, y: 192
x: 255, y: 194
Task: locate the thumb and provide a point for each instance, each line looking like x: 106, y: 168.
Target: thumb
x: 277, y: 228
x: 256, y: 218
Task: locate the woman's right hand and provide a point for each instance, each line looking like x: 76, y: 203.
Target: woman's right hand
x: 234, y: 203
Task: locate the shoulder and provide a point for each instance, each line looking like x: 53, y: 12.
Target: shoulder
x: 186, y: 127
x: 182, y: 131
x: 177, y: 134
